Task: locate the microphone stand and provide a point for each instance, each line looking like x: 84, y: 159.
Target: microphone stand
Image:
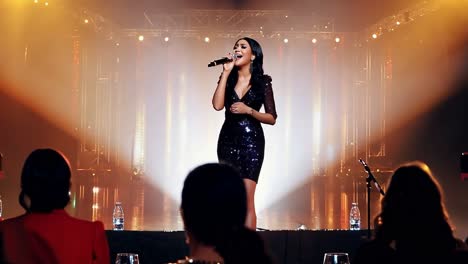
x: 370, y: 178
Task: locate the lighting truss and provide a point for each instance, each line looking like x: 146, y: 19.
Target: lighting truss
x: 226, y: 24
x: 404, y: 16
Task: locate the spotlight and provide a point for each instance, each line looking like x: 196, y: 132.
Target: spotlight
x: 46, y: 3
x: 166, y: 39
x: 337, y: 39
x: 86, y: 21
x: 374, y: 36
x: 285, y: 40
x: 141, y: 38
x: 36, y: 1
x: 207, y: 39
x: 314, y: 40
x: 398, y: 23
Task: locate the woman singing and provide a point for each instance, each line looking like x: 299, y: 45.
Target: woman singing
x: 243, y: 89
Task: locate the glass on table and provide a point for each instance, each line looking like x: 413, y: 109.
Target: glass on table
x: 127, y: 258
x: 336, y: 258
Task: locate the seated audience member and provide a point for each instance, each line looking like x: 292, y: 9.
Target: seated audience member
x: 413, y: 225
x: 46, y: 233
x: 214, y: 208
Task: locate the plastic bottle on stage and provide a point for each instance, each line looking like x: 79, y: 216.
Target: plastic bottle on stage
x: 118, y: 217
x: 354, y: 217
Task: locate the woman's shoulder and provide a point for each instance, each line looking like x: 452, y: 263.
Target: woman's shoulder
x: 267, y: 79
x: 9, y: 222
x: 95, y: 225
x: 262, y: 82
x: 90, y: 224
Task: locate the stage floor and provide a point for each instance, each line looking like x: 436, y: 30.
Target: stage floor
x: 321, y: 203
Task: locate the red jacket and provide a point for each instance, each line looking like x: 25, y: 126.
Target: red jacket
x: 54, y: 237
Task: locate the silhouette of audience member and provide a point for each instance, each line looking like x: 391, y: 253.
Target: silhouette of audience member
x: 413, y: 225
x: 46, y: 233
x: 214, y: 208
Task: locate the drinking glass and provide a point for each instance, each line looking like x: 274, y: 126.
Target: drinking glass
x: 336, y: 258
x: 126, y: 258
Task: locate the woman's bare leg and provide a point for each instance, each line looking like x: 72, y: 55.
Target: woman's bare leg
x: 251, y: 219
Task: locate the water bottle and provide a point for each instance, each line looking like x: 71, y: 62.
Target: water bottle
x: 354, y: 217
x: 118, y: 217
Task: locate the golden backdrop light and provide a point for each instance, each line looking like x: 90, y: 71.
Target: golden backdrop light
x: 190, y: 126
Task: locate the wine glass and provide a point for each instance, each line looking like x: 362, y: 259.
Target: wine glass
x: 336, y: 258
x: 126, y: 258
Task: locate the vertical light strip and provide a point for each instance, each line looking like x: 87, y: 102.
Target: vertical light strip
x: 317, y: 116
x: 75, y: 87
x: 139, y: 138
x: 139, y: 144
x: 168, y: 126
x: 182, y: 123
x: 287, y: 108
x: 138, y: 206
x: 95, y: 204
x: 329, y: 210
x: 344, y: 211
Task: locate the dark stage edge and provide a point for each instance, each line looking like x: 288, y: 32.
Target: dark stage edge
x: 285, y: 246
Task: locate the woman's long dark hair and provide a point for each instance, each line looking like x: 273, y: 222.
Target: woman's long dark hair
x: 258, y: 78
x: 45, y: 179
x: 214, y: 208
x: 413, y: 212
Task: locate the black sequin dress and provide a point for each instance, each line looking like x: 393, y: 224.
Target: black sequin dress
x: 241, y: 141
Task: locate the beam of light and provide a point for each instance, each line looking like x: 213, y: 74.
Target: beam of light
x: 287, y: 162
x: 139, y: 145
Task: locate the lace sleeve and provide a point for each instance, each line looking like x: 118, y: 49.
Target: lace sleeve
x: 269, y: 103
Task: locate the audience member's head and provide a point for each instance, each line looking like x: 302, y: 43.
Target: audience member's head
x: 214, y: 207
x: 45, y: 181
x: 213, y: 199
x: 413, y: 209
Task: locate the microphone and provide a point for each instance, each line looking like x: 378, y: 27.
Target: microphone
x: 366, y: 167
x: 371, y: 178
x: 222, y: 60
